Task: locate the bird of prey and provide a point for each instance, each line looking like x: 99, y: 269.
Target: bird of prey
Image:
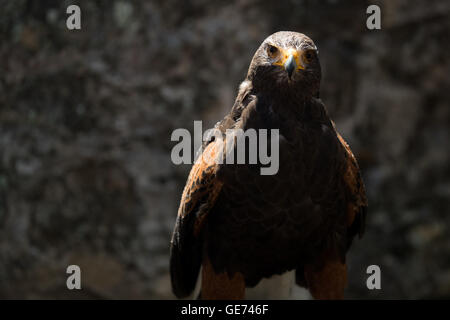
x: 238, y: 226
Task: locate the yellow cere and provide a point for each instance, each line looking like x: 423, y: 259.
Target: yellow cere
x: 285, y: 54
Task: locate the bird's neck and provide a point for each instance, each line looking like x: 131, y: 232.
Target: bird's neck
x: 297, y: 106
x: 289, y: 103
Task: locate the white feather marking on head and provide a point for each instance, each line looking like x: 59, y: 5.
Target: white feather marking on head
x: 244, y: 86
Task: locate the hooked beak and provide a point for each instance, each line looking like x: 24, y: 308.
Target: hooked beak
x: 290, y: 60
x: 290, y: 65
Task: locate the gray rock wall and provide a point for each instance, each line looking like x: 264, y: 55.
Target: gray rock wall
x: 86, y: 117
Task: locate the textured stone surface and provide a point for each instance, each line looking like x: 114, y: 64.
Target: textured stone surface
x: 86, y: 118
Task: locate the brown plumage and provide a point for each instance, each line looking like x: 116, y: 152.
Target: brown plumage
x: 243, y: 226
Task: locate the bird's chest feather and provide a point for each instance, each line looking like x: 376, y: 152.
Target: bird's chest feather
x: 288, y: 216
x: 306, y: 154
x: 301, y: 195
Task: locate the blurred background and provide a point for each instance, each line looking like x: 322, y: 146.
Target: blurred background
x: 86, y: 118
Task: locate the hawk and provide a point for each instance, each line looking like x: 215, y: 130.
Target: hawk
x: 238, y: 226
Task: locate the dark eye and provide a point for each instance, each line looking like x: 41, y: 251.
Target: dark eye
x: 308, y: 56
x: 272, y: 50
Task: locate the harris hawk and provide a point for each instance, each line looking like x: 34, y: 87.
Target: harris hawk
x: 239, y: 227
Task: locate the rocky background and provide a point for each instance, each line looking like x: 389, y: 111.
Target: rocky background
x: 86, y: 118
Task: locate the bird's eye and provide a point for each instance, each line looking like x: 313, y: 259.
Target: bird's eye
x: 272, y: 51
x: 308, y: 56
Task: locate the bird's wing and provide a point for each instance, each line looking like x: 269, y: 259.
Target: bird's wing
x: 327, y: 277
x: 357, y: 200
x: 199, y: 196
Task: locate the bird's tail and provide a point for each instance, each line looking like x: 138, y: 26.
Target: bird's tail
x: 185, y: 258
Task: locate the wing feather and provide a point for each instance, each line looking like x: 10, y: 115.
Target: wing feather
x: 357, y: 204
x: 199, y: 195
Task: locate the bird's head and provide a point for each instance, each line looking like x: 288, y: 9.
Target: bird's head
x: 286, y: 62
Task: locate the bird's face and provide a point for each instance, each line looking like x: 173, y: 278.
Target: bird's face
x: 287, y: 61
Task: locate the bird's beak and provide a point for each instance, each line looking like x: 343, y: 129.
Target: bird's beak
x: 290, y: 65
x: 290, y: 61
